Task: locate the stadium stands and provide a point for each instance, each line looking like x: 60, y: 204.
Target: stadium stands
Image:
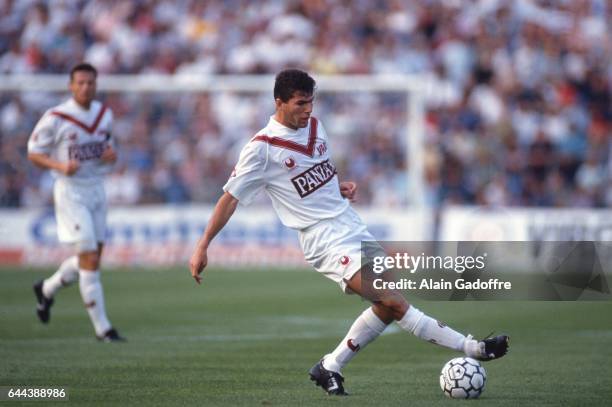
x: 520, y: 113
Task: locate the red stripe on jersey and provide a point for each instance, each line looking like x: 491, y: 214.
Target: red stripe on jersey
x: 89, y: 129
x: 292, y: 145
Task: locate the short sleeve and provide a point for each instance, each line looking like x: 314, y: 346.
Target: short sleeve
x: 248, y: 177
x: 42, y: 138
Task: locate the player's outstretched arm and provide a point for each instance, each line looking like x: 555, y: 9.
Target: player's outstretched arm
x: 222, y: 213
x: 48, y: 163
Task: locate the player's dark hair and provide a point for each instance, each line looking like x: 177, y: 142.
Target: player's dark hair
x: 83, y: 67
x: 289, y: 81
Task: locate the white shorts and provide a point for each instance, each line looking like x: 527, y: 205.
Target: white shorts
x: 80, y: 213
x: 333, y: 246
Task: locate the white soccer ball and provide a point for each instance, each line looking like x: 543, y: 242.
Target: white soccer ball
x: 463, y: 378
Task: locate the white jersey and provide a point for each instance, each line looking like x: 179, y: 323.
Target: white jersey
x: 70, y: 132
x: 294, y: 169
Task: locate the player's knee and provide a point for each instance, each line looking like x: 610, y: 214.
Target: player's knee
x: 384, y: 313
x: 396, y: 305
x: 89, y: 260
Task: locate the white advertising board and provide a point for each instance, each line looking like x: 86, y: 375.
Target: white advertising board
x: 165, y: 235
x: 525, y: 224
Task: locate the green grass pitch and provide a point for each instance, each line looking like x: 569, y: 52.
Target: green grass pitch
x: 249, y: 338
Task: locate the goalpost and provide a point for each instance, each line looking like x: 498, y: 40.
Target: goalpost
x: 414, y: 88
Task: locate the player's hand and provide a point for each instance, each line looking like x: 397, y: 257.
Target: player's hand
x: 348, y: 190
x: 197, y: 263
x: 70, y: 167
x: 109, y: 155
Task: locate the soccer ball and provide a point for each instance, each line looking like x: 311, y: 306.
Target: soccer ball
x: 463, y: 378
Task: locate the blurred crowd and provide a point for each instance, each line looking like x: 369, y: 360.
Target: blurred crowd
x: 519, y: 108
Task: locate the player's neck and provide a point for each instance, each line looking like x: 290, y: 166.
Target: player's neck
x: 279, y: 117
x: 84, y: 105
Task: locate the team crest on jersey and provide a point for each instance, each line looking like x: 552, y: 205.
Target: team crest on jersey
x: 72, y: 136
x: 322, y: 148
x: 345, y: 260
x: 289, y: 163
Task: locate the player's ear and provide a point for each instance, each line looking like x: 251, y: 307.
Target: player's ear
x: 278, y: 103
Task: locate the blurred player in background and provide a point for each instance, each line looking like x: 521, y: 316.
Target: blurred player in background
x: 73, y: 140
x: 290, y: 160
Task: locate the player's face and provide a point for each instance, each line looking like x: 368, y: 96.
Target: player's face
x: 83, y: 87
x: 296, y: 111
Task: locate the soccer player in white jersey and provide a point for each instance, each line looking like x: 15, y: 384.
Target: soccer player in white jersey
x: 290, y: 160
x: 73, y: 140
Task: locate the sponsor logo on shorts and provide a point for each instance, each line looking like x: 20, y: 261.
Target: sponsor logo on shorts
x: 345, y: 260
x: 313, y: 178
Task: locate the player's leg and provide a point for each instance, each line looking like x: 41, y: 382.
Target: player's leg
x: 80, y: 214
x: 92, y: 293
x: 91, y: 289
x: 391, y: 305
x: 386, y: 308
x: 66, y: 274
x: 90, y: 284
x: 348, y: 232
x: 45, y: 290
x: 67, y: 214
x: 367, y: 327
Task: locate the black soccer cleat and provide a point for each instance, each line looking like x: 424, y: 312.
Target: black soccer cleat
x: 111, y: 336
x: 330, y: 381
x: 495, y: 348
x: 43, y: 304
